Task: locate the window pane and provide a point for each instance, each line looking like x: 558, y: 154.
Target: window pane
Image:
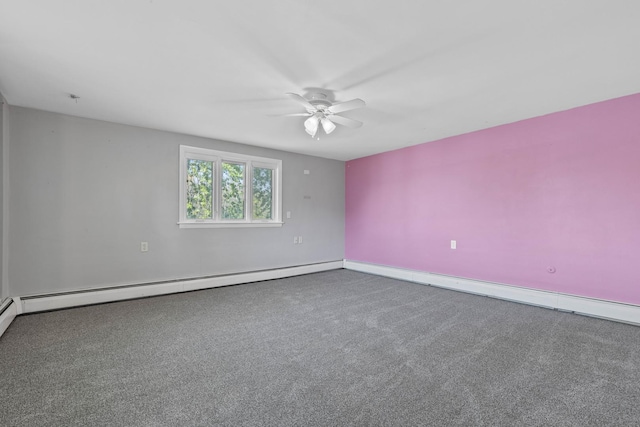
x: 233, y: 190
x: 199, y: 189
x: 262, y: 186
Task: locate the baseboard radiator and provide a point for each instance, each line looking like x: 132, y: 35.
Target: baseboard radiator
x: 36, y: 303
x: 626, y: 313
x: 8, y: 312
x: 620, y: 312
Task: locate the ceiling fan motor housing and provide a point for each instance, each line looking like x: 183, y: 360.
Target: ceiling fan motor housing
x: 319, y: 100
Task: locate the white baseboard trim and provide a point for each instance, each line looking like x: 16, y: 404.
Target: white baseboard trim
x: 33, y: 304
x: 10, y: 312
x: 627, y: 313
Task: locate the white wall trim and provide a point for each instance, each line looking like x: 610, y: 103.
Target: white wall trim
x: 627, y: 313
x: 34, y: 304
x: 7, y: 315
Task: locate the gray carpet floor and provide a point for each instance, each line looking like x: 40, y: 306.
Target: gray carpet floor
x: 337, y: 348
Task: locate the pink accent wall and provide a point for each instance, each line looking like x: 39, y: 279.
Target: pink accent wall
x: 561, y: 191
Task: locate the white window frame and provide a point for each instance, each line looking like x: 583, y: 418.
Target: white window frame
x: 217, y: 157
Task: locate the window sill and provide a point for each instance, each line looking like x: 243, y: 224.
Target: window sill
x: 192, y: 224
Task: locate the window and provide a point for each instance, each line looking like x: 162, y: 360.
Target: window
x: 219, y: 189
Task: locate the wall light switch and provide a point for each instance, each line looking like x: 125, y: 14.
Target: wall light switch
x: 299, y: 239
x: 453, y: 244
x: 295, y: 240
x: 288, y: 214
x: 144, y: 246
x: 306, y: 172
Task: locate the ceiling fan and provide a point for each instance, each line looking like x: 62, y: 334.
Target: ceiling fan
x: 323, y: 112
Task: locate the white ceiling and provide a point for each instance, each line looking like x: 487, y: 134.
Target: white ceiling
x: 427, y: 69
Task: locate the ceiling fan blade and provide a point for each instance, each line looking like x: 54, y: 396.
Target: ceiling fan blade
x: 327, y: 125
x: 350, y: 123
x: 302, y: 101
x: 297, y: 115
x: 346, y: 106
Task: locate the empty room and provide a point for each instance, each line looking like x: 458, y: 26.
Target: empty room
x: 337, y: 213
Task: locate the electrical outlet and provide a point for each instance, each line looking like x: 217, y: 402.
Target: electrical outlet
x: 144, y: 246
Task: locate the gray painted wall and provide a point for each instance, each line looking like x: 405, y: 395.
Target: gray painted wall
x: 85, y: 193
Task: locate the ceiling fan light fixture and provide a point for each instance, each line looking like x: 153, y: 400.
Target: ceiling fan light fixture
x: 327, y: 125
x: 311, y: 125
x: 324, y: 112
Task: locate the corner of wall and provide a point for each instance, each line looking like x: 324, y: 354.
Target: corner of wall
x: 4, y: 196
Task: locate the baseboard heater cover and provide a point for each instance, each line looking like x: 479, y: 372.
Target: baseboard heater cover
x: 620, y: 312
x: 37, y: 303
x: 8, y: 312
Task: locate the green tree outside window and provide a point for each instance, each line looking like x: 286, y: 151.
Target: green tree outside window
x: 199, y: 189
x: 262, y: 193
